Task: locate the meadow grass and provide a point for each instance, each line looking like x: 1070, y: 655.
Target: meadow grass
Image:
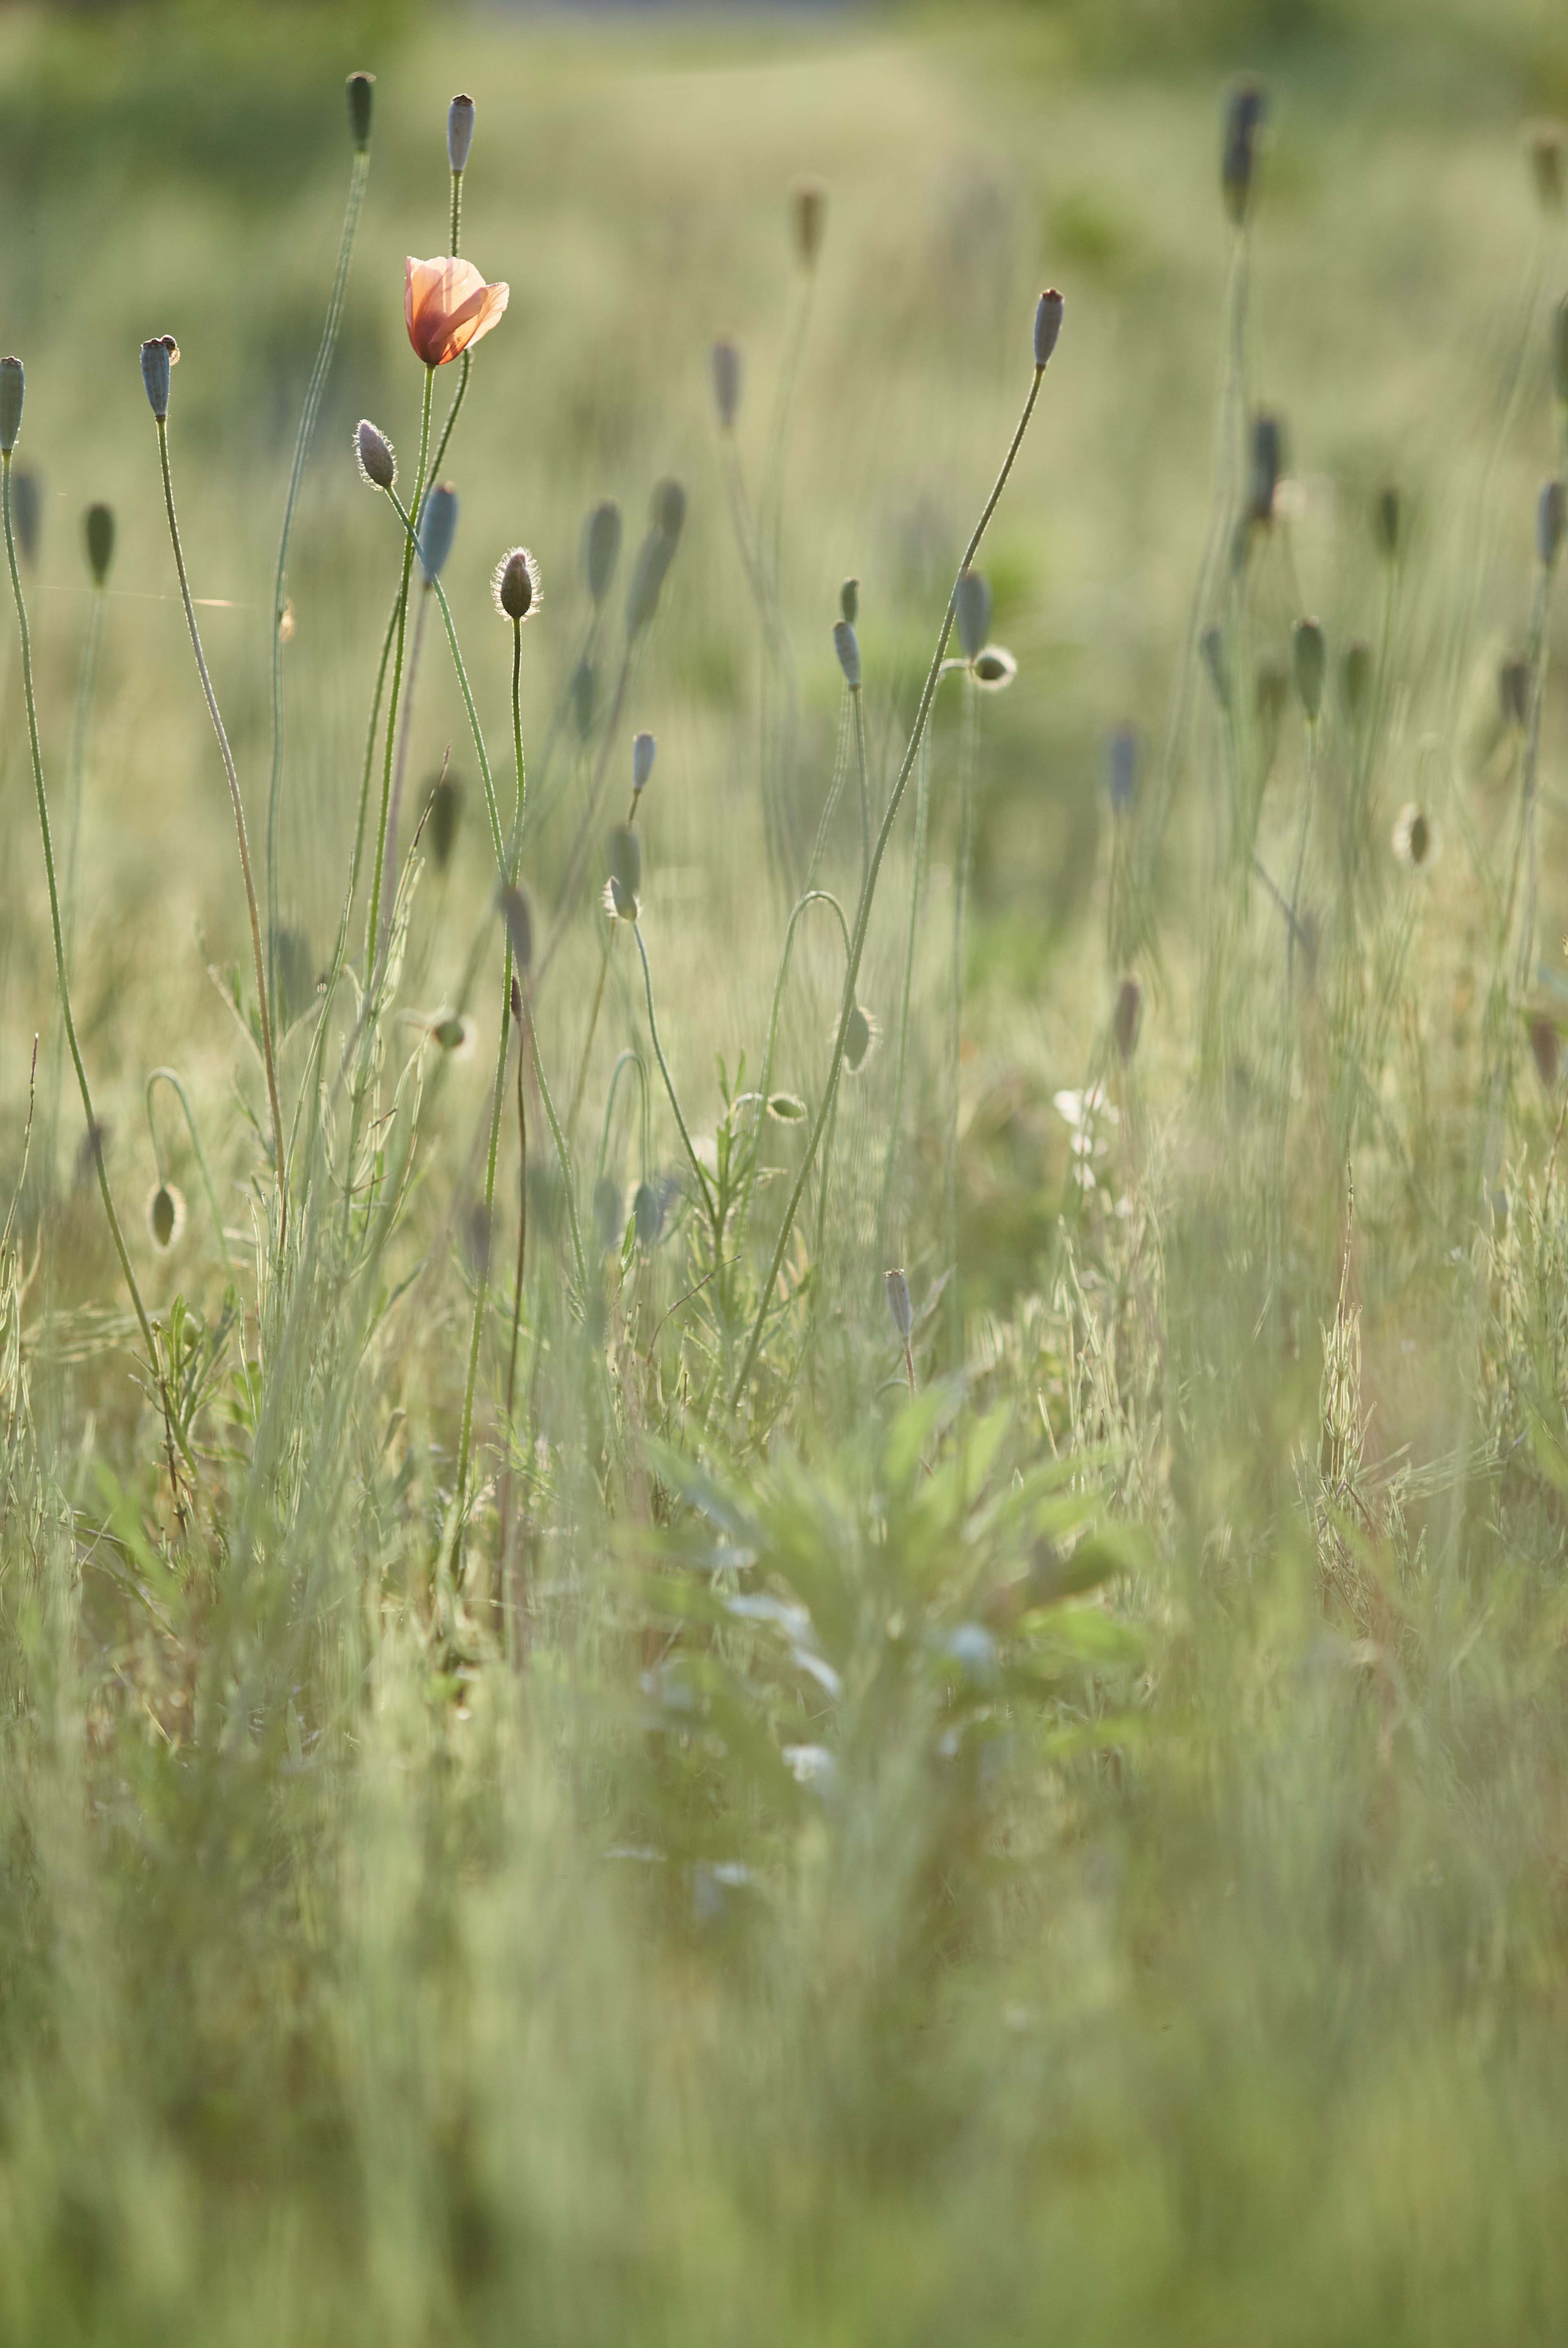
x: 575, y: 1762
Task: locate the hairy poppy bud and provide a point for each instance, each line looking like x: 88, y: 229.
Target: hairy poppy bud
x: 28, y: 505
x: 377, y: 459
x: 1548, y: 518
x: 972, y: 610
x: 859, y: 1039
x: 165, y: 1215
x: 1047, y: 325
x: 1245, y: 113
x: 361, y: 93
x: 625, y: 860
x: 848, y: 650
x: 1355, y: 677
x: 1125, y: 1018
x: 898, y: 1304
x: 459, y: 131
x: 516, y: 585
x: 1122, y: 769
x: 438, y: 528
x: 1268, y: 462
x: 602, y: 547
x: 1388, y: 521
x: 994, y: 669
x: 520, y: 920
x: 643, y: 747
x: 808, y: 208
x: 157, y: 357
x: 849, y: 601
x: 1310, y: 662
x: 726, y: 366
x: 97, y: 529
x: 12, y: 387
x: 445, y: 806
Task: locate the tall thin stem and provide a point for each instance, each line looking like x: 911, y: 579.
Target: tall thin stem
x: 964, y: 860
x: 704, y: 1187
x: 400, y: 769
x: 895, y: 1122
x: 372, y: 927
x: 172, y: 1077
x: 87, y: 681
x: 263, y: 999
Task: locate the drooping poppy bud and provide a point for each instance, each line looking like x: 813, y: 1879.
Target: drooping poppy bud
x: 644, y: 748
x: 1245, y: 113
x: 165, y: 1215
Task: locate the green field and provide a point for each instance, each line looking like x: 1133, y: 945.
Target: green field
x: 555, y: 1783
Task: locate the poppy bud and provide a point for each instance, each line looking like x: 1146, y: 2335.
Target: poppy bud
x: 28, y: 505
x: 972, y: 609
x: 361, y: 92
x: 726, y: 366
x: 1310, y: 661
x: 445, y: 806
x: 898, y: 1304
x: 667, y: 511
x: 808, y: 207
x: 157, y: 357
x: 520, y: 920
x: 582, y: 697
x: 848, y: 650
x: 1268, y: 458
x: 459, y: 131
x: 165, y: 1215
x: 516, y: 996
x: 602, y: 547
x: 1513, y: 690
x: 438, y: 528
x: 994, y: 669
x: 625, y: 860
x: 452, y: 1033
x: 647, y: 1213
x: 859, y: 1039
x: 643, y: 749
x: 1122, y: 769
x: 1388, y: 521
x: 1047, y: 325
x: 1127, y: 1015
x: 655, y: 555
x: 1243, y: 119
x: 1355, y: 677
x: 1212, y: 645
x: 97, y: 528
x: 1545, y: 141
x: 849, y: 601
x: 1560, y: 350
x: 12, y: 384
x: 1548, y: 518
x: 1416, y: 839
x: 376, y: 456
x: 787, y: 1108
x: 516, y: 585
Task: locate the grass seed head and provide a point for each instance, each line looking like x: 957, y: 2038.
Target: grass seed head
x: 12, y: 383
x: 847, y: 646
x: 361, y: 105
x: 165, y: 1215
x: 374, y: 455
x: 1245, y: 113
x: 643, y: 748
x: 438, y: 528
x: 160, y: 353
x: 1124, y: 1019
x: 972, y: 610
x: 1551, y: 509
x: 516, y: 586
x: 602, y: 547
x: 459, y: 130
x: 808, y: 217
x: 1310, y: 660
x: 1048, y: 313
x: 725, y: 361
x: 97, y: 530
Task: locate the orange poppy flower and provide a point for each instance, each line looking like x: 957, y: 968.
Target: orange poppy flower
x: 448, y: 306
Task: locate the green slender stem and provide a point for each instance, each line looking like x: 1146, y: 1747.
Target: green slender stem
x: 455, y: 245
x: 572, y: 1115
x: 314, y: 390
x: 522, y: 1242
x: 868, y: 893
x: 855, y: 697
x: 835, y: 789
x: 965, y: 858
x: 579, y: 844
x: 481, y: 1279
x: 60, y: 972
x: 87, y: 681
x: 263, y: 999
x: 170, y: 1076
x: 372, y: 927
x: 563, y: 1155
x: 811, y: 897
x: 400, y: 769
x: 698, y: 1168
x: 628, y: 1059
x: 922, y: 803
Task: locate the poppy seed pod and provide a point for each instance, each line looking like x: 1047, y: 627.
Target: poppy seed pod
x: 1388, y: 521
x: 375, y: 455
x: 898, y: 1304
x: 1124, y: 1019
x: 28, y: 505
x: 1513, y: 690
x: 725, y: 361
x: 643, y: 747
x: 808, y: 211
x: 1355, y: 677
x: 972, y: 610
x: 520, y: 920
x: 516, y: 586
x: 1122, y: 769
x: 624, y: 857
x: 459, y: 131
x: 849, y: 601
x: 360, y: 96
x: 1267, y: 461
x: 1549, y: 520
x: 1310, y: 662
x: 158, y: 356
x: 602, y: 547
x: 438, y: 528
x: 1047, y: 325
x: 1244, y: 112
x: 1212, y: 645
x: 97, y: 529
x: 12, y: 387
x: 1560, y: 351
x: 445, y: 806
x: 845, y: 645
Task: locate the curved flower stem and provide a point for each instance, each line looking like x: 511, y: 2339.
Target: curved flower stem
x: 314, y: 390
x: 811, y: 897
x: 269, y: 1061
x: 967, y: 759
x: 633, y: 1060
x: 698, y: 1168
x: 170, y: 1076
x: 922, y: 806
x: 868, y: 893
x: 372, y: 927
x: 60, y: 972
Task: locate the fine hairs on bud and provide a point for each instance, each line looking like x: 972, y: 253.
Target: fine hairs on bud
x: 459, y: 131
x: 846, y: 646
x: 849, y: 601
x: 12, y: 387
x: 601, y: 548
x: 374, y: 455
x: 438, y: 528
x: 808, y: 213
x: 97, y: 530
x: 644, y: 748
x: 1047, y: 325
x: 994, y: 669
x: 360, y: 100
x: 158, y: 356
x: 165, y: 1215
x: 1552, y: 508
x: 1311, y: 658
x: 725, y: 361
x: 972, y: 611
x: 1244, y: 111
x: 516, y: 586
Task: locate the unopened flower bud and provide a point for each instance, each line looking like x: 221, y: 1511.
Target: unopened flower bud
x: 726, y: 364
x: 516, y: 586
x: 859, y: 1039
x: 643, y: 749
x: 1047, y: 325
x: 1124, y: 1019
x: 361, y: 94
x: 849, y: 601
x: 1544, y: 140
x: 516, y: 913
x: 459, y: 131
x: 165, y: 1215
x: 97, y: 529
x: 445, y: 807
x: 12, y: 385
x: 157, y: 357
x: 1122, y: 769
x: 377, y: 459
x: 1513, y: 690
x: 602, y: 547
x: 848, y: 650
x: 1355, y: 677
x: 1389, y: 521
x: 438, y: 528
x: 1268, y: 462
x: 972, y: 610
x: 994, y: 669
x: 625, y: 862
x: 1310, y: 662
x: 1245, y: 113
x: 808, y: 209
x: 1549, y: 520
x: 898, y: 1304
